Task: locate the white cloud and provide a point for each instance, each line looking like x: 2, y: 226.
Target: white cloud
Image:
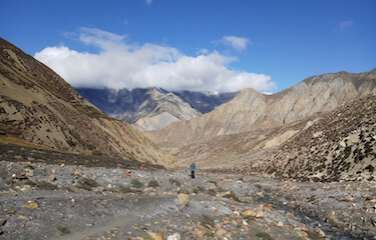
x: 345, y: 24
x: 120, y: 64
x: 238, y: 43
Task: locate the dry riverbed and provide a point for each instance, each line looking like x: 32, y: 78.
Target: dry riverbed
x: 46, y: 201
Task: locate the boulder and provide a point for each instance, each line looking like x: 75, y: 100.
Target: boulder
x: 175, y: 236
x: 183, y: 199
x: 31, y: 204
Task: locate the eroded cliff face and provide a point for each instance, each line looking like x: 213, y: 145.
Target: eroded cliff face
x: 38, y: 106
x: 251, y: 110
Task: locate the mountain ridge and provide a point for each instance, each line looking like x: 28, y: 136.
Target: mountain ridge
x: 251, y: 110
x: 38, y: 106
x: 153, y: 108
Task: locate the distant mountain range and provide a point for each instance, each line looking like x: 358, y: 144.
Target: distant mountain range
x: 251, y: 110
x: 324, y: 129
x: 153, y: 108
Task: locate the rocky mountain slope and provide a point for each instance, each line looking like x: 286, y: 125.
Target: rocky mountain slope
x: 153, y: 108
x: 38, y: 106
x: 251, y: 110
x: 148, y: 109
x: 332, y: 146
x: 205, y: 102
x: 161, y: 109
x: 340, y: 145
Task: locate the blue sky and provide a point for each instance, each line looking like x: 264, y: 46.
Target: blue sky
x: 286, y: 40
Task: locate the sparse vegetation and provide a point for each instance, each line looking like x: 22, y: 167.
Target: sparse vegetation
x: 153, y: 183
x: 137, y: 183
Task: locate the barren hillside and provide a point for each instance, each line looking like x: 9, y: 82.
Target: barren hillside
x: 251, y: 110
x: 38, y: 106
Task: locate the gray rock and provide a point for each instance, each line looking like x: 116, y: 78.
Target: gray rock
x: 2, y: 184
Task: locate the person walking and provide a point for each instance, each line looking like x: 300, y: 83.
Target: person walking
x: 193, y: 170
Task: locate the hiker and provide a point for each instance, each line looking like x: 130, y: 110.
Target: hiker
x: 193, y: 170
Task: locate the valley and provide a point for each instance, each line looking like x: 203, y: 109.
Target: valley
x: 69, y: 201
x: 297, y: 164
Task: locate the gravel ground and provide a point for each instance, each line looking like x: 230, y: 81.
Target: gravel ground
x: 47, y: 201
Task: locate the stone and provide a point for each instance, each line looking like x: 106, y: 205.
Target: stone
x: 156, y: 236
x: 260, y: 194
x: 220, y: 232
x: 2, y: 184
x: 332, y: 218
x: 320, y: 233
x: 63, y: 230
x: 266, y: 207
x: 200, y: 232
x: 46, y: 185
x: 31, y: 204
x: 263, y: 236
x: 230, y: 195
x: 260, y: 214
x: 3, y: 221
x: 280, y: 224
x: 346, y: 199
x: 29, y: 172
x: 52, y: 178
x: 174, y: 181
x: 24, y: 188
x: 148, y: 190
x: 236, y: 213
x: 249, y: 213
x: 302, y: 233
x: 77, y: 172
x: 86, y: 183
x: 317, y: 134
x: 175, y: 236
x: 22, y: 217
x: 183, y: 199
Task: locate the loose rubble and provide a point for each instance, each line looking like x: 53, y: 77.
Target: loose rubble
x: 79, y: 202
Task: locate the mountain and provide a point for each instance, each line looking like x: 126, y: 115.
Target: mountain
x: 339, y: 145
x: 153, y: 108
x: 161, y: 109
x: 37, y: 106
x: 251, y: 110
x: 205, y: 102
x: 329, y: 146
x: 148, y: 108
x: 332, y: 146
x: 116, y: 102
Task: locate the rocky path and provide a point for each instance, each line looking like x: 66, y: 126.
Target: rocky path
x: 41, y: 201
x: 145, y: 210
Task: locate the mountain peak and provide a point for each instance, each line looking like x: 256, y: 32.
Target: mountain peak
x: 251, y: 110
